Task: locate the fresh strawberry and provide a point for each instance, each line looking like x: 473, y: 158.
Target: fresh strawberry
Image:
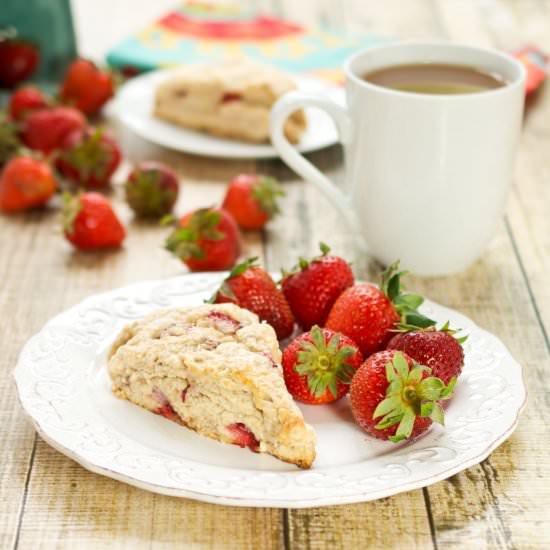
x: 89, y: 222
x: 46, y: 129
x: 437, y: 349
x: 207, y: 239
x: 86, y: 87
x: 18, y: 60
x: 25, y: 182
x: 367, y: 313
x: 318, y: 366
x: 251, y: 287
x: 311, y: 288
x: 88, y: 157
x: 394, y: 398
x: 25, y: 100
x: 252, y: 199
x: 152, y: 189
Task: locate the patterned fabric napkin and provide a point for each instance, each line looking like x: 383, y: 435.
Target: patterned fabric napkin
x: 198, y: 32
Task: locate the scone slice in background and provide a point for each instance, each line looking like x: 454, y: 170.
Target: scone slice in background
x: 216, y: 370
x: 230, y: 99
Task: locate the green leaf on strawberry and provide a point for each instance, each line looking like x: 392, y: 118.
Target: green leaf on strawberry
x: 410, y: 394
x: 406, y: 304
x: 324, y: 362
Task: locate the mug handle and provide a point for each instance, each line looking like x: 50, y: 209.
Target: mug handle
x: 281, y: 110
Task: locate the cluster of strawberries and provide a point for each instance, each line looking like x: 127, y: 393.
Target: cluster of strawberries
x: 360, y: 338
x: 48, y: 145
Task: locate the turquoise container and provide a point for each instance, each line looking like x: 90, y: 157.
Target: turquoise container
x: 49, y: 24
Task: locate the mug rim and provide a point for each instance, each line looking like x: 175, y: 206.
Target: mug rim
x: 351, y: 76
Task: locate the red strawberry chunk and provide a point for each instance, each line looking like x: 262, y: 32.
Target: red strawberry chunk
x: 230, y: 96
x: 165, y: 409
x: 243, y: 437
x: 224, y: 323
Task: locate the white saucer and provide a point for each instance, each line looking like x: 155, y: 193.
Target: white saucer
x: 133, y: 106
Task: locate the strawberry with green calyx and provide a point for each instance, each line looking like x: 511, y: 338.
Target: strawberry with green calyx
x: 88, y: 157
x: 206, y: 239
x: 152, y: 189
x: 438, y: 349
x: 319, y: 365
x: 252, y: 199
x: 394, y: 398
x: 368, y: 314
x: 251, y: 287
x: 312, y: 287
x: 89, y: 222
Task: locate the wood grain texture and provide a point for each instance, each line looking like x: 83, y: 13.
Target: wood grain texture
x: 48, y: 501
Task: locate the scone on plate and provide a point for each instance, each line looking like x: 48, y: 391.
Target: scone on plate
x: 231, y: 99
x: 215, y: 369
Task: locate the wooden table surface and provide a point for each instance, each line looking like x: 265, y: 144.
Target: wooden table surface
x: 48, y: 501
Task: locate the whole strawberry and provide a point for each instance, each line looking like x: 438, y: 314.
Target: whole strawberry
x: 18, y: 60
x: 152, y: 189
x: 311, y: 288
x: 88, y: 157
x: 25, y: 182
x: 86, y: 87
x: 437, y: 349
x: 367, y: 314
x: 25, y: 100
x: 45, y: 129
x: 206, y: 239
x: 251, y: 287
x: 90, y: 223
x: 252, y: 200
x: 319, y: 365
x: 394, y: 398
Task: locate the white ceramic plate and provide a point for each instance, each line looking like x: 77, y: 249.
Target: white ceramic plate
x: 64, y: 388
x: 133, y: 106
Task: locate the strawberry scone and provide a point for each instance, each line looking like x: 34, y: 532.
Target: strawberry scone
x: 215, y: 369
x: 231, y: 99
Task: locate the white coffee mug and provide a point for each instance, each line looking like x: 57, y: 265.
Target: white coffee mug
x: 427, y: 176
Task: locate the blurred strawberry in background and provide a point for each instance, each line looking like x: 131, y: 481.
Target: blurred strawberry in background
x: 252, y: 199
x: 24, y: 101
x: 25, y: 182
x: 206, y: 239
x: 86, y: 87
x: 45, y: 130
x: 152, y: 189
x: 90, y: 223
x: 18, y: 60
x: 88, y: 157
